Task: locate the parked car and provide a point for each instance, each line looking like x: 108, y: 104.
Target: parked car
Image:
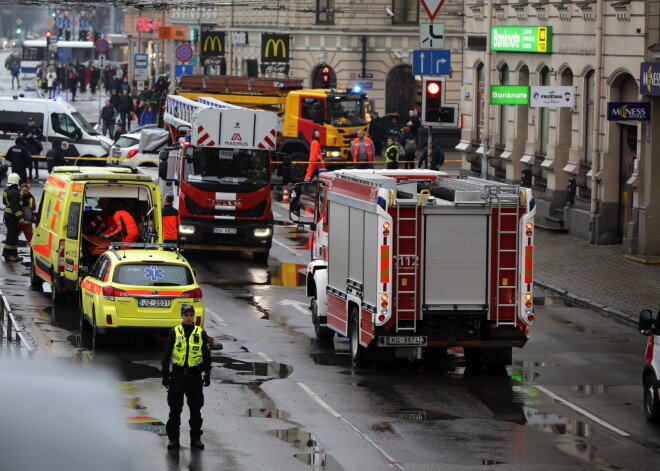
x: 138, y: 146
x: 651, y: 373
x: 137, y: 286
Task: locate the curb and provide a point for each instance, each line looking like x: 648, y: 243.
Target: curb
x: 579, y: 301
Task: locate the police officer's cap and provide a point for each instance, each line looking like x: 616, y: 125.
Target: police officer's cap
x: 187, y: 308
x: 30, y: 119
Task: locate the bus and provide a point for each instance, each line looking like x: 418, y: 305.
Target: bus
x: 34, y: 51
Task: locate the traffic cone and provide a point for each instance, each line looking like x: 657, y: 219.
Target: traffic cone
x: 285, y: 194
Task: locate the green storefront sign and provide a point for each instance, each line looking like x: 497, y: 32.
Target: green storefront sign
x: 521, y: 38
x: 509, y: 95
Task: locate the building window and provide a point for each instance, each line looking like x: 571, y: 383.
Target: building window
x: 401, y: 90
x: 405, y: 11
x: 325, y: 12
x: 504, y: 109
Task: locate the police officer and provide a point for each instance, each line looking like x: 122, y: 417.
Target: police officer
x: 187, y: 350
x: 391, y: 154
x: 32, y: 134
x: 55, y: 156
x: 13, y: 217
x: 20, y: 158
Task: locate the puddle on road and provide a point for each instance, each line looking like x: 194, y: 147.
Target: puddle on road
x: 237, y: 371
x: 318, y: 459
x: 267, y: 413
x: 278, y: 274
x: 589, y: 388
x: 147, y: 424
x: 421, y: 415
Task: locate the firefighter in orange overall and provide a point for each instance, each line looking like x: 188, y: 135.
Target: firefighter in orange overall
x: 171, y: 221
x: 124, y: 228
x: 315, y: 157
x: 363, y: 151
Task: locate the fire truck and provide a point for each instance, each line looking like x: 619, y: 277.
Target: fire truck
x: 337, y: 114
x: 408, y: 263
x: 221, y: 175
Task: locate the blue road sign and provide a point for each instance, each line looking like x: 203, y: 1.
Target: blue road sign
x: 65, y: 54
x: 183, y: 52
x: 182, y: 69
x: 141, y: 61
x: 431, y: 62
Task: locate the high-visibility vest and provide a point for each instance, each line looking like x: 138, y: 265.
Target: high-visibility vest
x: 191, y: 347
x: 355, y: 148
x: 387, y: 154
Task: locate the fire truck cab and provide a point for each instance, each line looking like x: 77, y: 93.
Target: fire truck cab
x: 410, y: 262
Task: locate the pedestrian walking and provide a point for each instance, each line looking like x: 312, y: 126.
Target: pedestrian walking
x: 33, y: 135
x: 15, y: 70
x: 73, y: 81
x: 376, y: 133
x: 316, y: 164
x: 108, y: 118
x: 437, y: 156
x: 119, y: 130
x: 125, y: 106
x: 392, y: 154
x: 409, y: 144
x: 20, y: 158
x: 11, y: 198
x: 363, y: 151
x: 187, y: 352
x: 55, y: 156
x: 414, y: 123
x: 51, y: 81
x: 171, y: 221
x: 29, y: 209
x: 94, y: 78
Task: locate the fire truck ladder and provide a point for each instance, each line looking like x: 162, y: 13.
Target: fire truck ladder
x: 179, y: 110
x: 410, y: 272
x: 506, y: 202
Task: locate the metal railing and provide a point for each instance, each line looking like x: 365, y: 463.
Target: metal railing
x: 12, y: 333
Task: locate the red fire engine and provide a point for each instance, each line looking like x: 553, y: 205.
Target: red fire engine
x: 410, y: 262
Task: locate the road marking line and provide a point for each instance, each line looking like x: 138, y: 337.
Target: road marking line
x: 275, y: 241
x: 265, y: 357
x: 337, y: 415
x: 217, y: 317
x: 582, y: 411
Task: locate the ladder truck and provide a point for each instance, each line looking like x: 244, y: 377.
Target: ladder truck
x: 338, y: 114
x: 408, y: 263
x: 220, y: 174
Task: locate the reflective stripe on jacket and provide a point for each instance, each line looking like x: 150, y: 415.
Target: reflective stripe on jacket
x: 11, y: 198
x: 368, y: 146
x: 190, y: 348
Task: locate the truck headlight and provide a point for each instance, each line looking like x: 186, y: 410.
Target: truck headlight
x: 186, y: 229
x: 262, y: 232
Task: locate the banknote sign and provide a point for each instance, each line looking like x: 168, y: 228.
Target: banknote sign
x: 521, y: 38
x: 509, y: 95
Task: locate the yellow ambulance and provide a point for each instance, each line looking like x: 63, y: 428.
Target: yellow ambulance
x: 74, y: 198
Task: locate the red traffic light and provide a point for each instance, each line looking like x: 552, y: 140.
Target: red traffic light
x: 325, y: 70
x: 433, y: 88
x: 48, y: 34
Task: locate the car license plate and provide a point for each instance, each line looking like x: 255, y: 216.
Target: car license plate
x: 225, y: 230
x: 405, y: 340
x: 149, y: 302
x: 116, y: 153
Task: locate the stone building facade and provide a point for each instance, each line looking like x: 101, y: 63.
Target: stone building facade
x: 588, y: 170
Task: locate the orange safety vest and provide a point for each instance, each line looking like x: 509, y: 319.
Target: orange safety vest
x: 368, y: 145
x: 124, y: 226
x: 315, y: 159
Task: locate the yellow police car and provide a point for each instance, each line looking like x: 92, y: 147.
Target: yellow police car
x: 137, y: 285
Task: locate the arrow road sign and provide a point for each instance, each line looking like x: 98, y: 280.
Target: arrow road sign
x: 432, y: 36
x: 431, y: 62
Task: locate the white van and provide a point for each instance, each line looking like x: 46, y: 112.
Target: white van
x: 56, y: 119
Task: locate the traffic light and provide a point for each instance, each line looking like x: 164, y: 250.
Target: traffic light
x: 325, y: 77
x: 432, y: 90
x: 82, y: 35
x: 19, y: 30
x: 60, y: 34
x: 48, y: 35
x: 67, y: 34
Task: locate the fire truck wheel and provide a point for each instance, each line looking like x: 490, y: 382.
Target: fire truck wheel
x: 297, y: 171
x: 261, y: 257
x: 651, y: 400
x: 322, y: 333
x: 473, y: 359
x: 360, y: 356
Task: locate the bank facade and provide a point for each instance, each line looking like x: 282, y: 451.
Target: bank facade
x: 592, y: 162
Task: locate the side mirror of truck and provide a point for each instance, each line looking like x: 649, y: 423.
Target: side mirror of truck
x: 83, y: 272
x: 163, y: 156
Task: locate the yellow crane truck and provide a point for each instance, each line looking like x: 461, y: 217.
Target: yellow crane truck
x: 337, y: 114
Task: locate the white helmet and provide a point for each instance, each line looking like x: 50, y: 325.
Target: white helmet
x: 13, y: 179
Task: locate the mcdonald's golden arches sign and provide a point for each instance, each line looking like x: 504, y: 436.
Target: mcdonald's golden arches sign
x: 212, y: 44
x: 275, y: 48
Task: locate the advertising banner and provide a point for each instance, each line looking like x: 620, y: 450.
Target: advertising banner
x: 211, y: 44
x: 509, y: 95
x: 628, y: 111
x: 521, y: 39
x: 552, y: 97
x: 649, y: 79
x: 275, y: 48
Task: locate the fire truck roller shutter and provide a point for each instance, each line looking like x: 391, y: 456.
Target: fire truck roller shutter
x: 356, y: 245
x: 456, y: 261
x: 338, y: 241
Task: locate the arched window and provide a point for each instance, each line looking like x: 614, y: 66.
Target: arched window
x: 401, y: 90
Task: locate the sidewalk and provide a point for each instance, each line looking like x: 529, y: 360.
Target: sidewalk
x: 598, y: 277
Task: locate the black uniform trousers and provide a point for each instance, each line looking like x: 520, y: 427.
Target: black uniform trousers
x: 11, y: 241
x: 188, y: 382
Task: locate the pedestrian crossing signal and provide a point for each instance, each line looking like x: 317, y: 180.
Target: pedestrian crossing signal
x: 325, y: 77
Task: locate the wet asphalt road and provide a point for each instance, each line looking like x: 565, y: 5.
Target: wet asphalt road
x: 279, y: 400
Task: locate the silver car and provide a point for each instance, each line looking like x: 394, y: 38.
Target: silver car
x: 127, y: 149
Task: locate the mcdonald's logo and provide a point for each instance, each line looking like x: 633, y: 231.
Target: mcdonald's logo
x: 274, y: 48
x: 211, y: 43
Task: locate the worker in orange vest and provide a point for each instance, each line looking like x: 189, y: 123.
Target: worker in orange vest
x: 315, y: 157
x: 171, y: 221
x: 363, y: 151
x: 124, y: 228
